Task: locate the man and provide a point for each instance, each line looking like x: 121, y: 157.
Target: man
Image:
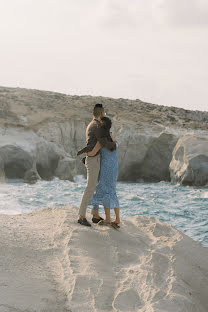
x: 93, y: 164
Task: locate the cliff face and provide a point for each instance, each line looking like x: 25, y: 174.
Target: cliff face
x: 40, y: 133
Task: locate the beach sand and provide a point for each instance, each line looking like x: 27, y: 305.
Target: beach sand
x: 50, y: 263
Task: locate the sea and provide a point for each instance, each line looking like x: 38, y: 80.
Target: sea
x: 184, y: 207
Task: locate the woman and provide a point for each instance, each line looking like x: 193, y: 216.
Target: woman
x: 105, y: 193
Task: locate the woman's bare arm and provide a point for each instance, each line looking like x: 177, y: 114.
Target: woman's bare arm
x: 95, y: 150
x: 113, y: 139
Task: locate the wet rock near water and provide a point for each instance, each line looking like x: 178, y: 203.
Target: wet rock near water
x: 31, y: 176
x: 15, y: 161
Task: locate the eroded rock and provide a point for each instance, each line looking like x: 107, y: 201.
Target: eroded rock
x: 50, y: 127
x: 16, y: 161
x: 66, y: 169
x: 155, y: 166
x: 31, y: 176
x: 189, y: 165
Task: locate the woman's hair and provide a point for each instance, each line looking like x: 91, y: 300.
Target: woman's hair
x: 106, y: 123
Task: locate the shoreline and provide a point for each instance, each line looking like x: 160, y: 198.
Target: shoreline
x: 182, y: 213
x: 50, y: 263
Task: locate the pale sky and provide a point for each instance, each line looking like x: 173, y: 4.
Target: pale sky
x: 153, y: 50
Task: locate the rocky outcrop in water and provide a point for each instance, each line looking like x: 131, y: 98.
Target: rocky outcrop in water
x: 155, y: 165
x: 189, y: 165
x: 41, y: 131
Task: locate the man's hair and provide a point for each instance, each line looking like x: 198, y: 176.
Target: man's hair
x: 98, y: 110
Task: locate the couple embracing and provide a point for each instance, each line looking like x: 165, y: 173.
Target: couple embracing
x: 101, y: 162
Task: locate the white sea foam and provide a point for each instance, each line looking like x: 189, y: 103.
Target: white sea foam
x: 79, y: 179
x: 204, y: 195
x: 9, y: 204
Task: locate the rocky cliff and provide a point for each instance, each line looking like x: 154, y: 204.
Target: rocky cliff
x: 41, y: 131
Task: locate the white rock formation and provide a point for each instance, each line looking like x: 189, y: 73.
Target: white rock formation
x: 50, y: 263
x: 50, y: 127
x: 189, y: 165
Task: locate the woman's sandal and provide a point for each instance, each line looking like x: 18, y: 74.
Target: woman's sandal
x: 104, y: 222
x: 115, y: 225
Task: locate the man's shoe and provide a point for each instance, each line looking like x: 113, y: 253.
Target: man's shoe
x: 83, y: 222
x: 95, y: 220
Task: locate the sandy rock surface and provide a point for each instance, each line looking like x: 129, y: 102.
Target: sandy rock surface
x: 50, y: 263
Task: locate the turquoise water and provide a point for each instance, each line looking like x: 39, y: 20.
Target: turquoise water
x: 186, y: 208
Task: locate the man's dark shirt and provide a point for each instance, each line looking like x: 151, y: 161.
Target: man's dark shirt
x: 94, y: 134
